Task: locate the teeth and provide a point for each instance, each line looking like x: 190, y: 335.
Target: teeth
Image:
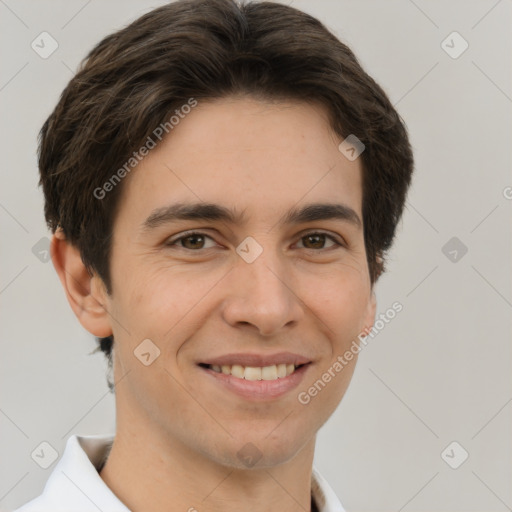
x: 281, y: 371
x: 269, y: 373
x: 252, y: 373
x: 273, y: 372
x: 237, y: 371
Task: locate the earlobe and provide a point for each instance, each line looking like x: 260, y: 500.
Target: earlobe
x: 85, y: 294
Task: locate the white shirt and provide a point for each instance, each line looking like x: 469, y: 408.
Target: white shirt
x: 76, y: 486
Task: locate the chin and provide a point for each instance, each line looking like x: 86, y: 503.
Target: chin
x: 262, y: 451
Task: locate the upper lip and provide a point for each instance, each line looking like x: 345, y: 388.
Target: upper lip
x: 258, y: 360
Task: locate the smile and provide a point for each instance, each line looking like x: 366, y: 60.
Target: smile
x: 272, y: 372
x: 256, y: 383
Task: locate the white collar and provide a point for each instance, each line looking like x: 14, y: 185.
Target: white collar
x: 75, y: 483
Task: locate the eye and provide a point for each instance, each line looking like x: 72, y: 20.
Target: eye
x: 191, y: 241
x: 318, y: 240
x: 195, y: 241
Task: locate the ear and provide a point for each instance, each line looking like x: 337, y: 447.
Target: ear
x: 379, y: 263
x: 371, y: 309
x: 86, y: 294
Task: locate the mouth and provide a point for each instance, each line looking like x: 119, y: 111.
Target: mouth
x: 256, y: 383
x: 253, y: 373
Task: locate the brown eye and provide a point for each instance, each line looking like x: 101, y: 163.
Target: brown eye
x: 315, y: 241
x: 318, y: 240
x: 192, y: 241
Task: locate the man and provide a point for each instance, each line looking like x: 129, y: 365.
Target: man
x: 222, y: 182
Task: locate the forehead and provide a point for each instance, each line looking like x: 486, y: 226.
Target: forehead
x: 250, y: 155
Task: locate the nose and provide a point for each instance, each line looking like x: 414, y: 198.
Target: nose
x: 261, y: 296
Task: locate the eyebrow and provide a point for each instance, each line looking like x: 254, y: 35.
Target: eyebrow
x: 214, y: 212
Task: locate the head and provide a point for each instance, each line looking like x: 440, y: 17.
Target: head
x: 240, y: 110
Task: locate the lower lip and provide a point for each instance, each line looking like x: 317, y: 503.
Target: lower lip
x: 259, y: 389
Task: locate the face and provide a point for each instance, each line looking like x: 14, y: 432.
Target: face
x: 242, y: 277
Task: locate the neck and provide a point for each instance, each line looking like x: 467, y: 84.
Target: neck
x: 152, y: 475
x: 149, y: 476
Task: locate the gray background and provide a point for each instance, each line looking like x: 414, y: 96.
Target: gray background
x: 439, y: 372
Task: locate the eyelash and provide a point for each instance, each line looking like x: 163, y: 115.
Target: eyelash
x: 173, y: 242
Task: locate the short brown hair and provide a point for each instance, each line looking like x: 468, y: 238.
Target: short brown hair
x: 206, y: 49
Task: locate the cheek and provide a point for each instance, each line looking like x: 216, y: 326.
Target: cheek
x: 163, y: 304
x: 341, y: 301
